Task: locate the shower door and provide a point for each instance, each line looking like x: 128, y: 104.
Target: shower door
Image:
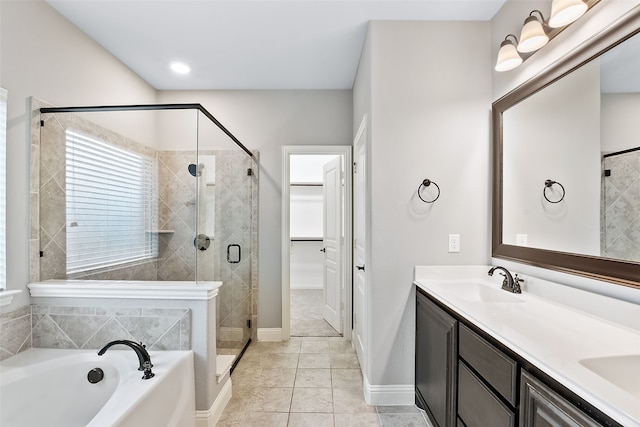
x: 226, y: 208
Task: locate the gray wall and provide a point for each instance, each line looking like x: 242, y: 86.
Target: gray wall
x: 43, y: 55
x: 426, y: 105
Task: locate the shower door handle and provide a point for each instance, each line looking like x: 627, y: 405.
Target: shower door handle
x: 234, y: 253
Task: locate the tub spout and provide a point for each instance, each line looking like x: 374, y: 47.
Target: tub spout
x: 143, y: 356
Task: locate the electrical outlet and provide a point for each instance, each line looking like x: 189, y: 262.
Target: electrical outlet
x: 454, y: 243
x: 521, y: 239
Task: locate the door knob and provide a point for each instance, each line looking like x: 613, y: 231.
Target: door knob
x: 360, y: 267
x: 323, y: 250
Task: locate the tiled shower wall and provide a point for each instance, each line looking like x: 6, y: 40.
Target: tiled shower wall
x: 620, y: 201
x: 41, y: 326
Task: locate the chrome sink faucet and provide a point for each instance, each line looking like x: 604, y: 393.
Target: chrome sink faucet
x: 509, y: 283
x: 143, y: 356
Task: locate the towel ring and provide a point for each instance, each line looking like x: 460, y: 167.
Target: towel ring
x: 426, y: 183
x: 548, y: 184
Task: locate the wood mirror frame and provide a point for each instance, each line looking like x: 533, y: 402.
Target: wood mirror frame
x: 599, y: 268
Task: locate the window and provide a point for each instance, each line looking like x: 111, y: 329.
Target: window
x: 3, y: 192
x: 111, y: 205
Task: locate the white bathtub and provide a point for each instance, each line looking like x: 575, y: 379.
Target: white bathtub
x: 49, y: 387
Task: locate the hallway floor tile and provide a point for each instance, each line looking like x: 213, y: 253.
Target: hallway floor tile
x: 310, y: 382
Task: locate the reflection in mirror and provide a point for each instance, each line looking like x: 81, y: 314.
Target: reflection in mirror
x: 3, y: 193
x: 575, y: 124
x: 582, y: 131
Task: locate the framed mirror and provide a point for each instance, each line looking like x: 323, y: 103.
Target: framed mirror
x: 566, y: 156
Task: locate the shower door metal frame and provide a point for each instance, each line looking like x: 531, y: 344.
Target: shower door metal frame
x: 149, y: 107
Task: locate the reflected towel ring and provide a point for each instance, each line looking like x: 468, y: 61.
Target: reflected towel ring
x: 547, y: 184
x: 426, y: 183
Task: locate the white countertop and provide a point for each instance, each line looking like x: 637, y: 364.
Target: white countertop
x: 553, y: 337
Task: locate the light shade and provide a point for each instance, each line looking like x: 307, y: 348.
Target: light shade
x: 508, y: 56
x: 532, y: 36
x: 564, y: 12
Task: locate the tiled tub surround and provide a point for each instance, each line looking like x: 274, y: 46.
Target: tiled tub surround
x: 93, y: 327
x: 557, y: 338
x: 15, y: 332
x: 45, y: 326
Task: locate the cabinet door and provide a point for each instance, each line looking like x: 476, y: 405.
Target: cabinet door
x: 436, y: 360
x: 542, y: 407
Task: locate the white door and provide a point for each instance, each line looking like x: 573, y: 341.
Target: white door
x: 332, y: 247
x: 359, y: 245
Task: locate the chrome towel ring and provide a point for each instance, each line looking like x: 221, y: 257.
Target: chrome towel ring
x: 548, y: 184
x: 425, y: 183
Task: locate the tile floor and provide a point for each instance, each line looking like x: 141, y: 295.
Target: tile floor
x: 306, y: 314
x: 307, y: 381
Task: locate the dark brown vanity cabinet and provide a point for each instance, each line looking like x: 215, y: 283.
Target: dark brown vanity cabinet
x: 465, y: 379
x: 436, y: 362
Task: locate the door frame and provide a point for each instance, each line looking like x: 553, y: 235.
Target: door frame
x: 347, y: 279
x: 362, y: 140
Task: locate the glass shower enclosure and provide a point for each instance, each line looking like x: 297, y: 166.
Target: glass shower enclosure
x: 150, y: 192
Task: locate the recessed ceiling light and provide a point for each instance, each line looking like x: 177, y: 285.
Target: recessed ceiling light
x: 180, y: 67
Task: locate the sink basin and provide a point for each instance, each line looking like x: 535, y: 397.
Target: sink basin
x: 477, y: 292
x: 621, y: 371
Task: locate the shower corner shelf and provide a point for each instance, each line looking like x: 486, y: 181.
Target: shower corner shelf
x: 161, y: 231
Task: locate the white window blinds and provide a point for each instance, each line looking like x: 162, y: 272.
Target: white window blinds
x: 3, y: 192
x: 111, y: 205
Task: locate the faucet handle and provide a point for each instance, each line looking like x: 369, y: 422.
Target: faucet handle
x: 516, y: 284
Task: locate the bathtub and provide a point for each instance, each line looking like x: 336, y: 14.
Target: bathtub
x: 49, y: 387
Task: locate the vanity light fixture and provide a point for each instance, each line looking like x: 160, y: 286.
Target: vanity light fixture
x: 536, y: 32
x: 532, y: 36
x: 180, y: 67
x: 564, y: 12
x: 508, y: 56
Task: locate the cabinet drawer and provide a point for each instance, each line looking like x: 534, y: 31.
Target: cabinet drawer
x: 497, y: 369
x: 477, y: 406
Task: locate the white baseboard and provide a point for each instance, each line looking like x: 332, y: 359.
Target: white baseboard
x: 210, y: 418
x: 388, y: 395
x: 269, y: 334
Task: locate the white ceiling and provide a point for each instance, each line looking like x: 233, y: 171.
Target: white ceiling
x: 250, y: 44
